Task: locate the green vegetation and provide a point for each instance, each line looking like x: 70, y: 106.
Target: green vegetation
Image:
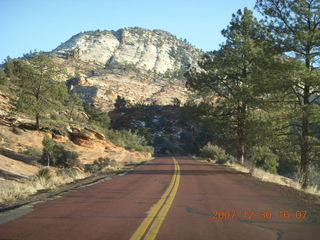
x: 32, y: 151
x: 74, y: 104
x: 216, y: 153
x: 100, y: 164
x: 39, y: 91
x: 298, y: 35
x: 3, y: 78
x: 212, y: 151
x: 131, y: 141
x: 98, y: 119
x: 234, y: 73
x: 261, y: 90
x: 263, y: 157
x: 54, y: 154
x: 44, y: 173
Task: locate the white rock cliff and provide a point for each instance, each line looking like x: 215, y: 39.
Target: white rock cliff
x: 157, y: 51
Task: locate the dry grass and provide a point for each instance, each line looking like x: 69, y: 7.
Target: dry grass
x: 11, y: 191
x: 274, y: 178
x: 266, y: 176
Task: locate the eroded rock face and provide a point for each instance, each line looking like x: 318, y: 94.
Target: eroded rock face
x: 5, y: 105
x: 156, y: 51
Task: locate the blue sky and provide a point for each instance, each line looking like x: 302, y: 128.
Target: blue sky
x: 44, y: 24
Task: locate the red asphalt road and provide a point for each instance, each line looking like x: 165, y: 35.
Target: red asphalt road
x: 114, y: 209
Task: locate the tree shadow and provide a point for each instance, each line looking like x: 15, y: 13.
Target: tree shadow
x: 184, y: 172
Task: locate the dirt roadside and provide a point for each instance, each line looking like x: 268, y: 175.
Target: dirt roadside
x: 10, y: 212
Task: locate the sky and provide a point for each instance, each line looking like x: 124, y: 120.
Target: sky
x: 44, y: 24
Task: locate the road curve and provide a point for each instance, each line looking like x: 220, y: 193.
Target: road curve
x: 173, y: 199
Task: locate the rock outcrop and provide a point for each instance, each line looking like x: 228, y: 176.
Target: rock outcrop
x: 156, y: 51
x: 141, y: 65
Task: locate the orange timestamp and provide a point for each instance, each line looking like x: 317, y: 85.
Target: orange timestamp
x: 261, y: 215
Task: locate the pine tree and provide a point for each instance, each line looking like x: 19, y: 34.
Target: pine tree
x: 234, y: 74
x: 296, y: 25
x: 39, y: 91
x: 3, y: 78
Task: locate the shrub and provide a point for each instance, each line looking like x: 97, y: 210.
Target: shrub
x: 129, y: 140
x: 56, y: 155
x: 213, y: 151
x: 263, y: 157
x: 47, y: 151
x: 315, y: 175
x: 227, y: 159
x: 97, y: 118
x: 68, y: 172
x: 44, y: 173
x: 32, y: 151
x: 145, y: 133
x: 57, y: 124
x: 67, y: 159
x: 100, y: 164
x: 3, y: 78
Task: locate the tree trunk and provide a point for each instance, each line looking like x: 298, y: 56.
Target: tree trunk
x: 305, y: 148
x: 37, y: 121
x: 304, y: 155
x: 241, y: 151
x: 241, y: 132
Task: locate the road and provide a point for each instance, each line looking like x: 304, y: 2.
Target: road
x: 173, y: 198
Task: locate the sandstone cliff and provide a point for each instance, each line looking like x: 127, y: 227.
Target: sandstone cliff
x: 141, y: 65
x: 156, y: 51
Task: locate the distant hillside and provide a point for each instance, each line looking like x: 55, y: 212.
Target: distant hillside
x: 156, y: 51
x: 141, y: 65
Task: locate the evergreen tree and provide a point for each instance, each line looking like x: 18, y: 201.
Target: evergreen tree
x: 234, y: 75
x: 296, y: 26
x: 39, y: 91
x: 73, y: 103
x: 3, y: 78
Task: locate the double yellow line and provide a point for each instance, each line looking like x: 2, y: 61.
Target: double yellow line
x: 150, y: 226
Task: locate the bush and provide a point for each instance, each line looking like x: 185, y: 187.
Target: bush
x: 129, y: 140
x: 3, y: 78
x: 97, y: 117
x: 145, y: 133
x: 57, y: 123
x: 227, y: 159
x: 68, y: 172
x: 56, y: 155
x: 100, y: 164
x: 213, y: 151
x: 263, y: 157
x: 314, y: 175
x: 66, y: 159
x: 44, y: 173
x: 32, y: 151
x: 132, y: 141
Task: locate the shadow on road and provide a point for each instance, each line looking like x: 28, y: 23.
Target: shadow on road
x: 184, y: 172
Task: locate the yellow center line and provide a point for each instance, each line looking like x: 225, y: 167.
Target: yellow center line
x: 158, y: 212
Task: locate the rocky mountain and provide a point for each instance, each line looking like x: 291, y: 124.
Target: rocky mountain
x: 157, y: 51
x: 144, y: 66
